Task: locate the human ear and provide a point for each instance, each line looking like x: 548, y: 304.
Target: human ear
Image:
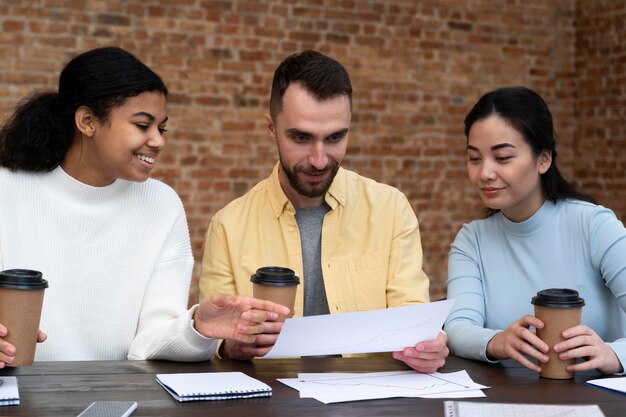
x: 85, y: 121
x: 270, y: 126
x: 545, y: 160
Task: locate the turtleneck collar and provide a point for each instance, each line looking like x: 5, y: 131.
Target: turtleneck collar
x: 531, y: 225
x: 60, y: 183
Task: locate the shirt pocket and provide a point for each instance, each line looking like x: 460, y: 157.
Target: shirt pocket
x: 368, y: 276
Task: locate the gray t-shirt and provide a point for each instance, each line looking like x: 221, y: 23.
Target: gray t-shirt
x: 310, y: 222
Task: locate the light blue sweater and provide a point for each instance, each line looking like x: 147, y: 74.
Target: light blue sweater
x: 496, y: 266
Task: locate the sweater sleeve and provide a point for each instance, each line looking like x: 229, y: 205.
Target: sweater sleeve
x: 467, y: 336
x: 608, y: 246
x: 165, y: 329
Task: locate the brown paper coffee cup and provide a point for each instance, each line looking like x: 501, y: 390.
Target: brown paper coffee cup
x: 558, y: 309
x: 21, y: 299
x: 276, y: 284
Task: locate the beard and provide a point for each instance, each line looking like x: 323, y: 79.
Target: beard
x: 307, y: 189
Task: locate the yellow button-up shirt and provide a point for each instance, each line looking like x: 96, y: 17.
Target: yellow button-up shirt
x: 371, y: 254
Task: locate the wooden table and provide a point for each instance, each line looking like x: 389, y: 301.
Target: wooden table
x: 66, y: 388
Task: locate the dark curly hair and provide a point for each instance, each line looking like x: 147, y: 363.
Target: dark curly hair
x: 37, y: 136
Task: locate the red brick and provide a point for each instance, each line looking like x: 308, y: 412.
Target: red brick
x: 416, y: 68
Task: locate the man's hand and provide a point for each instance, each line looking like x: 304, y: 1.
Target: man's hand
x: 7, y: 350
x: 237, y: 318
x: 264, y: 342
x: 426, y: 357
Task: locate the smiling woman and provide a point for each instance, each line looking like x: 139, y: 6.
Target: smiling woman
x: 540, y: 232
x: 503, y: 168
x: 123, y: 146
x: 78, y: 205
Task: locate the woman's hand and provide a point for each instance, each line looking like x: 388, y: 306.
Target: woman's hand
x: 7, y: 350
x: 582, y: 342
x: 517, y: 341
x: 246, y: 324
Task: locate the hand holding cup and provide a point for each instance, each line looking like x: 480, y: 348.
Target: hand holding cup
x: 276, y: 284
x: 21, y: 300
x: 559, y: 309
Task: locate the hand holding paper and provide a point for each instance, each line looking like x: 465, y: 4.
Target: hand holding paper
x: 388, y: 330
x: 426, y: 357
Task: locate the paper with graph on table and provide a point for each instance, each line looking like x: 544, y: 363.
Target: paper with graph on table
x: 340, y: 387
x: 473, y: 409
x: 387, y: 330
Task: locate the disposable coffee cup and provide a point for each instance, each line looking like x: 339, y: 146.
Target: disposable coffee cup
x: 558, y: 309
x: 21, y: 299
x: 276, y: 284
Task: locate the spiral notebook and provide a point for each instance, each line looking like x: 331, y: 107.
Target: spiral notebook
x: 8, y: 391
x: 213, y: 386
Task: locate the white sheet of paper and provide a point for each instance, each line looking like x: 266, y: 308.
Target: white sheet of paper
x: 340, y: 387
x: 472, y: 409
x: 387, y: 330
x: 614, y: 384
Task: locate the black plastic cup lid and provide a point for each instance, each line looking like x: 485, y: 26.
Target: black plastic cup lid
x: 22, y: 279
x: 558, y: 298
x: 276, y: 276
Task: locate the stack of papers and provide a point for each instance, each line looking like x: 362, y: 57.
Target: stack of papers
x: 339, y: 387
x: 8, y: 391
x: 213, y: 386
x: 472, y: 409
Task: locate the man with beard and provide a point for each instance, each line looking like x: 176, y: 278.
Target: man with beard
x: 354, y: 242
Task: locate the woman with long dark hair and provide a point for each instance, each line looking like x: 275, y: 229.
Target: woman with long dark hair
x: 77, y: 204
x: 539, y: 232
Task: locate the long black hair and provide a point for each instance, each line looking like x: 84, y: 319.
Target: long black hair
x: 37, y: 136
x: 528, y: 114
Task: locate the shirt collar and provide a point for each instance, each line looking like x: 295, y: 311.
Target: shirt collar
x: 533, y: 224
x: 278, y: 199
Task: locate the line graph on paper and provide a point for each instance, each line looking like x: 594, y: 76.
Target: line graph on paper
x: 384, y: 384
x: 385, y: 330
x: 467, y: 409
x: 401, y: 380
x: 363, y: 346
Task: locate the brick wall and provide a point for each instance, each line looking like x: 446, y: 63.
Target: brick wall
x: 416, y: 66
x: 600, y: 111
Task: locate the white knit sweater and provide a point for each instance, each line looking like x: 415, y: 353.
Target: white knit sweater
x: 118, y: 262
